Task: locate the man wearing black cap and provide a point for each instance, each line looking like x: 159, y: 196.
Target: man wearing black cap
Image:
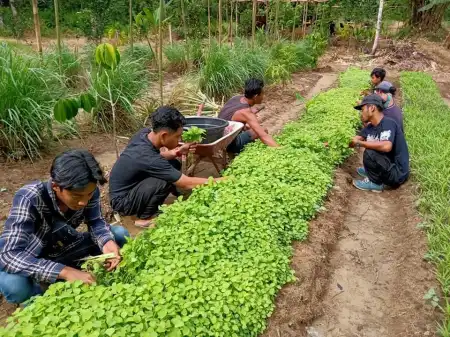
x: 386, y: 157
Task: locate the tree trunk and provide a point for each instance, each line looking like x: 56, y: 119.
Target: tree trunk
x: 131, y: 24
x: 37, y: 25
x: 160, y: 51
x: 58, y: 34
x: 429, y: 20
x: 379, y: 21
x: 254, y: 22
x: 277, y: 11
x: 220, y: 22
x: 236, y: 19
x: 185, y: 31
x: 13, y: 8
x: 2, y: 24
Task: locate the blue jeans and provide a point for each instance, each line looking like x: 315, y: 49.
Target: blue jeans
x: 18, y: 289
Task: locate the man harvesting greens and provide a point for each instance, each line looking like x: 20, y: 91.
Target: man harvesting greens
x: 40, y: 242
x: 239, y: 109
x: 377, y: 76
x: 387, y: 91
x: 386, y: 156
x: 144, y: 176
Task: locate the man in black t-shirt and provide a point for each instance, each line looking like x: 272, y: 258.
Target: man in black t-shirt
x: 386, y: 157
x: 143, y: 176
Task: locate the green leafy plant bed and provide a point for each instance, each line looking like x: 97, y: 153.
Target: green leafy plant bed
x: 215, y: 262
x: 427, y: 118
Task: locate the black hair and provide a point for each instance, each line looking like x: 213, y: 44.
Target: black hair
x: 167, y: 117
x: 392, y: 90
x: 253, y: 87
x: 75, y: 169
x: 378, y: 72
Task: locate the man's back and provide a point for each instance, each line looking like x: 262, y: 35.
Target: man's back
x: 232, y: 106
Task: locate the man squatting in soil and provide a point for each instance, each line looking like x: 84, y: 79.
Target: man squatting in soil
x: 386, y: 156
x: 147, y: 171
x: 40, y: 243
x: 242, y: 109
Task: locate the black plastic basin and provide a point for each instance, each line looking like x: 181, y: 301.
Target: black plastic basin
x: 214, y: 127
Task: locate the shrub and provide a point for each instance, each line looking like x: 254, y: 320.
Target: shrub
x: 71, y: 68
x: 127, y: 83
x: 28, y: 94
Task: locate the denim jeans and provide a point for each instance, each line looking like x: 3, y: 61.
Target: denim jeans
x: 18, y: 289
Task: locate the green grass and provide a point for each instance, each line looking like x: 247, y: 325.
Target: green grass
x: 28, y: 93
x: 427, y: 120
x: 71, y: 65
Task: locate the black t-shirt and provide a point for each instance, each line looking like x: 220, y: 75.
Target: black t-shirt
x: 140, y: 160
x: 389, y: 130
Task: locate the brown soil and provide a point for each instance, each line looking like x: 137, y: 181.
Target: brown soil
x: 361, y: 270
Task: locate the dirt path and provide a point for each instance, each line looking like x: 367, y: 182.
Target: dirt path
x: 379, y: 277
x: 361, y: 273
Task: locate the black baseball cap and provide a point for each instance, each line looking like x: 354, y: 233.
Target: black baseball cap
x: 371, y: 99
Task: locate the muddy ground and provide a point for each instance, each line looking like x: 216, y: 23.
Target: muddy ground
x: 361, y: 272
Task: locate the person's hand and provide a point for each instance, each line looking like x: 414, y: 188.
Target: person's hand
x: 111, y: 247
x: 71, y: 275
x: 354, y: 142
x: 187, y: 148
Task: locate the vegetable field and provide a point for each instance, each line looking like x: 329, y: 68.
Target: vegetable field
x: 214, y: 263
x: 427, y: 119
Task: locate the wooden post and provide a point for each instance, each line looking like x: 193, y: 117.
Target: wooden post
x: 37, y: 26
x: 131, y: 24
x: 236, y: 19
x: 185, y: 31
x: 161, y: 18
x: 209, y: 22
x: 277, y: 13
x: 58, y: 34
x: 266, y: 28
x: 254, y: 22
x: 379, y: 20
x: 220, y: 22
x: 305, y: 18
x: 293, y: 25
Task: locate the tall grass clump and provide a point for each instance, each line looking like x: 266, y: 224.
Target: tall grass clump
x: 225, y: 69
x: 28, y: 93
x: 121, y: 87
x: 427, y: 119
x: 140, y: 52
x: 183, y: 55
x: 71, y: 66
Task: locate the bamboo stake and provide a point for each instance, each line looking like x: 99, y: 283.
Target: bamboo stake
x: 220, y: 22
x: 236, y: 13
x: 254, y: 22
x: 231, y: 23
x: 161, y: 4
x: 293, y: 26
x: 209, y: 22
x: 131, y: 24
x: 185, y: 31
x: 277, y: 11
x: 58, y: 34
x: 37, y: 26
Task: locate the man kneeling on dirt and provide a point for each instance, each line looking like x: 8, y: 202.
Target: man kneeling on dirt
x: 241, y: 109
x: 144, y: 176
x: 386, y: 157
x: 40, y: 242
